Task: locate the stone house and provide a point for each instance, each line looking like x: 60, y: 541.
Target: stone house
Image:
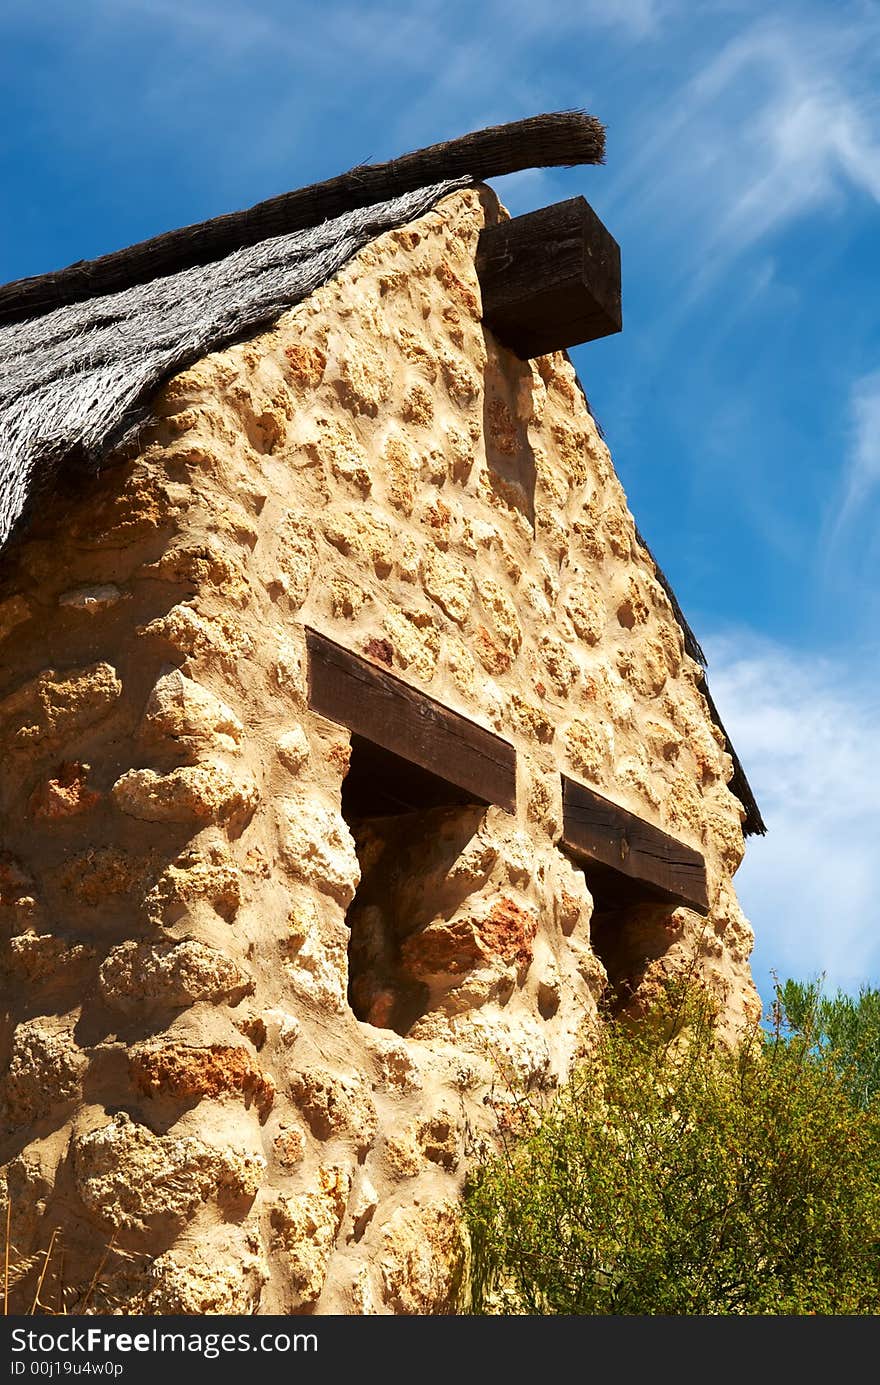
x: 355, y: 751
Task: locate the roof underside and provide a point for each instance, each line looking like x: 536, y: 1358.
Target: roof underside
x: 84, y: 350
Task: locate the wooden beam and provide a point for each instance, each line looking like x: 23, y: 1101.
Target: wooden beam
x: 388, y: 713
x: 550, y: 279
x: 617, y: 844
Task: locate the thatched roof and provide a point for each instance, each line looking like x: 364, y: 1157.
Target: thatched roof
x: 78, y: 381
x: 83, y: 350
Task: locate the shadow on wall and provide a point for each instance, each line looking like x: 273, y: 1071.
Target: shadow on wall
x: 511, y: 471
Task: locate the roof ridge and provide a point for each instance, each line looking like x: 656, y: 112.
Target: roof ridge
x: 556, y: 138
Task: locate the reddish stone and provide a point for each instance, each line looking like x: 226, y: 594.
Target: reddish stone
x: 65, y: 795
x: 380, y: 650
x: 494, y: 659
x: 307, y: 364
x: 454, y: 947
x: 509, y: 932
x: 445, y: 948
x: 182, y: 1071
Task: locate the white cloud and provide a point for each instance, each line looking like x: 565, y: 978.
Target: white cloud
x: 863, y: 473
x: 781, y: 120
x: 637, y: 18
x: 807, y: 729
x: 850, y: 543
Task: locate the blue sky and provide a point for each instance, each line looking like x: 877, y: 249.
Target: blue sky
x: 742, y: 400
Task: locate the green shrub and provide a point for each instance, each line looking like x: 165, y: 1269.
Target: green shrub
x: 846, y: 1030
x: 674, y: 1177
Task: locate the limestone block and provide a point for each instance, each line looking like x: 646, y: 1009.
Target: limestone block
x: 133, y: 1179
x: 516, y: 856
x: 335, y: 1106
x: 294, y: 749
x: 420, y: 1259
x: 632, y: 604
x: 401, y: 468
x: 434, y: 1140
x: 449, y: 948
x: 209, y: 563
x: 184, y: 713
x: 465, y: 295
x: 319, y: 967
x: 45, y: 1069
x: 304, y: 1231
x: 644, y: 668
x: 56, y: 706
x: 221, y: 1273
x: 418, y: 404
x: 585, y: 608
x: 663, y: 741
x: 398, y: 1070
x: 634, y: 772
x: 36, y: 957
x: 317, y: 847
x: 532, y: 720
x: 517, y: 1044
x: 403, y: 1158
x: 362, y: 536
x: 289, y: 1145
x: 135, y: 975
x: 460, y: 378
x: 208, y: 875
x: 586, y: 748
x: 501, y: 612
x: 414, y: 641
x: 723, y: 832
x: 193, y: 635
x: 25, y: 1188
x: 475, y: 862
x: 65, y: 793
x: 306, y: 365
x: 448, y: 582
x: 493, y: 658
x: 620, y: 534
x: 364, y: 381
x: 193, y: 793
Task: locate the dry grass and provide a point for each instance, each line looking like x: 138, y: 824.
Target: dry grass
x: 51, y: 1296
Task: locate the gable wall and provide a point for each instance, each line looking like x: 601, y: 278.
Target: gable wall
x: 183, y: 1070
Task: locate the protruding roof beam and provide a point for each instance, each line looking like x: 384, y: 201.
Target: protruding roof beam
x: 550, y: 279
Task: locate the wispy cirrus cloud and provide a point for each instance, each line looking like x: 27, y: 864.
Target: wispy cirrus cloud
x: 781, y: 119
x: 808, y: 731
x: 863, y: 472
x: 850, y: 542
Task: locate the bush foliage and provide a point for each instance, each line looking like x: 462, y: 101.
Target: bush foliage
x: 673, y: 1176
x: 847, y: 1031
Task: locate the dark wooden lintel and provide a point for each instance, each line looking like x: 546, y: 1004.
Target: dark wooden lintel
x: 646, y: 861
x: 381, y: 710
x: 550, y: 279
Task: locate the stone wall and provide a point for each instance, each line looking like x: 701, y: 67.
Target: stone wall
x: 189, y: 1091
